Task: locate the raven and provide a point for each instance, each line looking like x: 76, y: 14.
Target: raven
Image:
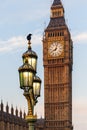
x: 29, y: 37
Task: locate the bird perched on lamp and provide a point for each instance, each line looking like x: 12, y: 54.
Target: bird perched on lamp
x: 29, y: 37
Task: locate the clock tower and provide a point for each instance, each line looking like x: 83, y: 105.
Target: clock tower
x: 57, y: 59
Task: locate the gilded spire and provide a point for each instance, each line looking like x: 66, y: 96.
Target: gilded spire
x: 56, y: 2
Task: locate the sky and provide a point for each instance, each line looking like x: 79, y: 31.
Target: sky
x: 18, y: 18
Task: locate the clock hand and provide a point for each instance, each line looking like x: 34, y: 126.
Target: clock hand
x: 55, y: 49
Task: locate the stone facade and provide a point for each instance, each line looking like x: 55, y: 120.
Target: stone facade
x: 10, y: 120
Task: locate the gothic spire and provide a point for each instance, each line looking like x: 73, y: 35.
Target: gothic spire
x: 7, y: 108
x: 12, y: 110
x: 16, y: 111
x: 2, y: 106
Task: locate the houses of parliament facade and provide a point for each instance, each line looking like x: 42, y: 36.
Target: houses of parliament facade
x: 57, y: 62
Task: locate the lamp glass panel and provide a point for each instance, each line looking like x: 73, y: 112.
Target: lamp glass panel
x: 21, y: 79
x: 32, y: 61
x: 36, y: 88
x: 25, y: 59
x: 31, y: 76
x: 25, y: 79
x: 28, y: 79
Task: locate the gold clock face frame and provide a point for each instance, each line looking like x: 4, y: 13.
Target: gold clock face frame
x: 55, y: 49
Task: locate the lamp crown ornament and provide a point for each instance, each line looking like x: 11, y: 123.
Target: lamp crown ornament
x: 30, y: 56
x: 29, y: 40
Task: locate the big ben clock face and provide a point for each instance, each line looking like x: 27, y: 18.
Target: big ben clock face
x: 55, y: 49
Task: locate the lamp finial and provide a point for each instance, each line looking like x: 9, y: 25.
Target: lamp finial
x: 29, y: 40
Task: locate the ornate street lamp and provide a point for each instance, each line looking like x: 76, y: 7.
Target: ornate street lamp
x: 29, y: 82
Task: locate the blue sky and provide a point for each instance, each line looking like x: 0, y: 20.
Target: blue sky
x: 20, y: 17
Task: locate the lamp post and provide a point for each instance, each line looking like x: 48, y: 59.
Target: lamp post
x: 30, y: 82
